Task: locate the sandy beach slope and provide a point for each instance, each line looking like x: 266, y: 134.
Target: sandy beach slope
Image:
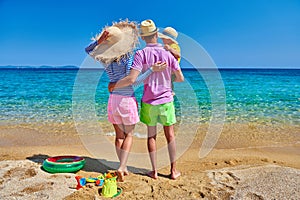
x: 249, y: 161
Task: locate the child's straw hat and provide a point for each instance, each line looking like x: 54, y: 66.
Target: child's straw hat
x: 169, y: 33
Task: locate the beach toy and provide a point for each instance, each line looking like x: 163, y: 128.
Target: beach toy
x: 80, y: 182
x: 110, y: 188
x: 109, y: 182
x: 91, y: 180
x: 110, y: 175
x: 63, y: 164
x: 100, y: 180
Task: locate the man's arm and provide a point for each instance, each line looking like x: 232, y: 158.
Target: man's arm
x: 178, y: 76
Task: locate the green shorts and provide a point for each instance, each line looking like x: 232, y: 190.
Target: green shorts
x: 163, y: 114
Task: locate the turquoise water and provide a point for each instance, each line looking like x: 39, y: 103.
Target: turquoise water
x: 250, y: 95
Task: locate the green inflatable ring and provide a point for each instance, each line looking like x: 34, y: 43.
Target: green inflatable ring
x: 63, y: 164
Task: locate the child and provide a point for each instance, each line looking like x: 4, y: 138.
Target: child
x: 168, y: 37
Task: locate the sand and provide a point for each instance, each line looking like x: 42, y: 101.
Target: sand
x: 23, y: 179
x: 249, y: 161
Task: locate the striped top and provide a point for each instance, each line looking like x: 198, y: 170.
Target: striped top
x: 117, y: 71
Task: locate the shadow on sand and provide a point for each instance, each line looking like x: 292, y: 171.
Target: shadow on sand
x: 92, y: 164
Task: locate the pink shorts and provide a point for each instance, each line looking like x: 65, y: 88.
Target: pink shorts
x: 122, y: 110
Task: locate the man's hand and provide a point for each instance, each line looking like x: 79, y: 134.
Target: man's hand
x: 159, y: 66
x: 111, y: 86
x: 103, y: 37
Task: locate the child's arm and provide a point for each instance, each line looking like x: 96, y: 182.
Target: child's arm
x: 174, y: 52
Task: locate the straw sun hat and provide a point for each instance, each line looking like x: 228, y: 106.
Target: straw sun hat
x: 122, y: 40
x: 169, y: 33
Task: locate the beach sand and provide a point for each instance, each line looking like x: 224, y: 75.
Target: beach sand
x: 249, y: 161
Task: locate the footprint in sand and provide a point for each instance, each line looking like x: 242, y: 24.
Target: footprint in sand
x: 19, y: 172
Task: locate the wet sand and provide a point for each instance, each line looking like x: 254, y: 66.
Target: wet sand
x: 249, y: 161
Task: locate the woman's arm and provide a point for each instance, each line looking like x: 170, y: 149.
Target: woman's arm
x: 157, y: 67
x: 127, y: 80
x: 134, y: 79
x: 92, y: 46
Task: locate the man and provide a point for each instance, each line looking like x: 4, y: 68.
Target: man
x: 157, y: 101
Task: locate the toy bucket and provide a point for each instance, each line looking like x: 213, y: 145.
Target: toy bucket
x: 110, y: 188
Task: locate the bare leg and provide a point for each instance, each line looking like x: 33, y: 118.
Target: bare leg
x: 170, y: 136
x: 125, y: 149
x: 151, y: 143
x: 120, y: 136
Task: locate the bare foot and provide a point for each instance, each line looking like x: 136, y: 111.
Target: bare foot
x: 175, y: 175
x: 126, y: 173
x: 152, y: 174
x: 120, y: 175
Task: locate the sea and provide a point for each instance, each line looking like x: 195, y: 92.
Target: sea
x: 59, y: 95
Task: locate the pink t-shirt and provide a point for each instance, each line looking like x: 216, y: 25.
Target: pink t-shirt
x: 157, y: 87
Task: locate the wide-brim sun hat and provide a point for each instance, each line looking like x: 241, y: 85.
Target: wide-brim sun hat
x: 147, y: 28
x: 121, y: 42
x: 169, y: 33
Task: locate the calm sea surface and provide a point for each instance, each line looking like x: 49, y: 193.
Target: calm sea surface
x: 241, y: 95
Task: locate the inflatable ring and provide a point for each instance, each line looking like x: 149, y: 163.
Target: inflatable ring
x: 63, y: 164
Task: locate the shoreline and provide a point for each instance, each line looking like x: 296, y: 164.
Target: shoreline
x: 235, y: 137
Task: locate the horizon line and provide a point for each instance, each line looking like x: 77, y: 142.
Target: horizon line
x: 182, y: 67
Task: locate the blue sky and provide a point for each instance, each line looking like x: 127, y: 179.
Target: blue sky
x: 235, y: 33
